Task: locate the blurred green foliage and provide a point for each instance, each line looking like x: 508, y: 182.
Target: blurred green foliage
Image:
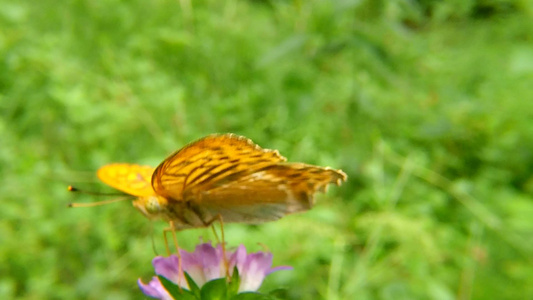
x: 426, y: 105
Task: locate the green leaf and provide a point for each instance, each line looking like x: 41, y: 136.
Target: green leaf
x: 233, y: 285
x: 279, y: 293
x: 175, y: 291
x: 195, y: 290
x: 253, y: 296
x: 215, y: 290
x: 186, y: 295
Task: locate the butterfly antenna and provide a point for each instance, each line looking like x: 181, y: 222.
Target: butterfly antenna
x: 99, y: 203
x: 70, y: 188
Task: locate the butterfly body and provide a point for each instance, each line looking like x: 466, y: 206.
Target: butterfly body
x: 225, y: 176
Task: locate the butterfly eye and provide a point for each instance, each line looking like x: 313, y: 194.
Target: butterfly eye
x: 152, y: 205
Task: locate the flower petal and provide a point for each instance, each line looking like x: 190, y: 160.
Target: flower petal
x: 279, y: 268
x: 254, y: 271
x: 237, y: 259
x: 204, y: 264
x: 193, y: 267
x: 154, y: 289
x: 168, y: 267
x: 211, y: 261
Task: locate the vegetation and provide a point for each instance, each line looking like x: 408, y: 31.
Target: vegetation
x: 426, y: 105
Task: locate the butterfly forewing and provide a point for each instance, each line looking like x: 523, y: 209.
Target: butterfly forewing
x: 128, y: 178
x: 211, y: 160
x: 266, y: 194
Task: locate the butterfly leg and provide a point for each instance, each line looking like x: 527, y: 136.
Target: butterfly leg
x: 172, y: 229
x: 166, y: 240
x: 223, y: 243
x: 215, y: 233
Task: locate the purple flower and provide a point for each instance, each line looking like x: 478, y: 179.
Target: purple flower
x: 207, y: 263
x: 253, y: 267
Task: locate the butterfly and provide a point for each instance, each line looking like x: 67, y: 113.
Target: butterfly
x: 221, y: 176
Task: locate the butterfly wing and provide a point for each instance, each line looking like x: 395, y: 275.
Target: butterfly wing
x: 215, y: 158
x: 266, y: 194
x: 128, y: 178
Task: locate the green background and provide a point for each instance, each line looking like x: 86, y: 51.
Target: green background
x: 426, y: 105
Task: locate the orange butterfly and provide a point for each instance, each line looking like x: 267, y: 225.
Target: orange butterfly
x: 221, y: 176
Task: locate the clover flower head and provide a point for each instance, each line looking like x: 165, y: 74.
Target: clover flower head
x: 207, y: 263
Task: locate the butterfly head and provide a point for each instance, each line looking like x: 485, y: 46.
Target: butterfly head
x: 151, y: 206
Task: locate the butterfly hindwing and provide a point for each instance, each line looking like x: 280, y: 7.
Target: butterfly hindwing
x: 266, y: 194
